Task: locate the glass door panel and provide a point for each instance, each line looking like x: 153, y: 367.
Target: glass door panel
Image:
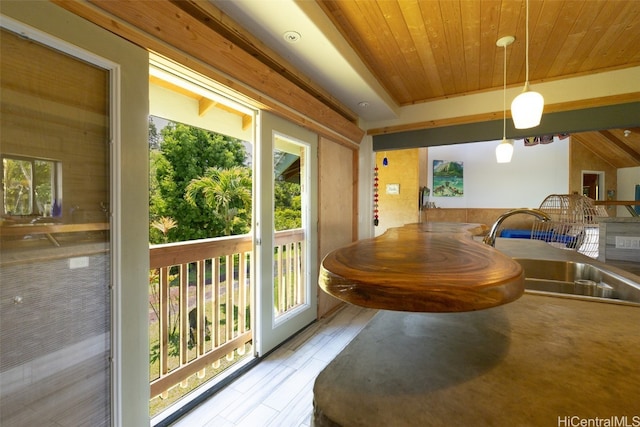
x: 286, y: 230
x: 290, y: 200
x: 55, y: 262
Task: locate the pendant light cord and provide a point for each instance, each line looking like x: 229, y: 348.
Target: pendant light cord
x: 526, y: 45
x: 504, y: 95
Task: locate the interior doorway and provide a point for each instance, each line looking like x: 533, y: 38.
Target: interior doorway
x: 592, y: 184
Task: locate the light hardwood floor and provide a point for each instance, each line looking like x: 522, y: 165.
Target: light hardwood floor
x: 279, y: 390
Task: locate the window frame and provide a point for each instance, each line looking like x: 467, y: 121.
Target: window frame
x: 56, y: 184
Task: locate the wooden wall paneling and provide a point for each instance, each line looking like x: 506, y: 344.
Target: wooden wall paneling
x: 355, y: 161
x: 336, y: 206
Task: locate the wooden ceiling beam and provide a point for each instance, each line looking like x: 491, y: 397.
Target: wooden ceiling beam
x: 204, y: 105
x: 162, y: 27
x: 621, y: 145
x: 215, y: 19
x: 484, y: 117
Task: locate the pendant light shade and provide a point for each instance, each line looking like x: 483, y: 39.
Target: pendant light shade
x: 526, y: 108
x: 504, y: 151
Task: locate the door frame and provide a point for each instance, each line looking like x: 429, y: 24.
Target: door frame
x: 600, y: 183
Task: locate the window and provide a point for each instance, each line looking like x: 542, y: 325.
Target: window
x: 29, y: 186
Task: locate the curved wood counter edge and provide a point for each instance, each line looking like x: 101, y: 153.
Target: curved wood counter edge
x: 426, y: 267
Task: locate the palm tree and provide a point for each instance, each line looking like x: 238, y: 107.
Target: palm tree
x: 226, y: 191
x: 164, y: 224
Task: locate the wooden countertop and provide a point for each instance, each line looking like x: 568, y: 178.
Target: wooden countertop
x: 426, y: 267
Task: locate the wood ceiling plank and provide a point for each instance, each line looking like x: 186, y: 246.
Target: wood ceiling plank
x: 553, y: 47
x: 609, y: 148
x: 399, y: 74
x: 509, y: 21
x: 620, y: 143
x: 408, y: 71
x: 579, y: 27
x: 364, y: 29
x: 516, y: 58
x: 542, y: 21
x: 490, y: 55
x: 624, y: 50
x: 470, y: 20
x: 600, y: 57
x: 411, y: 12
x: 452, y: 19
x: 606, y: 14
x: 436, y: 35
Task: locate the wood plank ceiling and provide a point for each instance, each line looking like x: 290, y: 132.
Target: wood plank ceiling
x: 423, y: 50
x: 426, y: 50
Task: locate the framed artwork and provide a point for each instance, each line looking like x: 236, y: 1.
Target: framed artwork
x: 448, y: 178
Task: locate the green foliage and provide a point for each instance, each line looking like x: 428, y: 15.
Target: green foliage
x: 23, y: 178
x: 154, y: 136
x: 226, y: 192
x: 288, y: 205
x: 186, y: 154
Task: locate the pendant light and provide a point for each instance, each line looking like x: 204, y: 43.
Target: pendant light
x: 526, y: 108
x: 504, y: 150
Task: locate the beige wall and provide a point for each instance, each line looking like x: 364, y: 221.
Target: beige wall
x: 403, y: 168
x: 582, y: 159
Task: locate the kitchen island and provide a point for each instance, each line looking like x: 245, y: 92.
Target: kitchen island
x: 540, y: 360
x: 426, y: 267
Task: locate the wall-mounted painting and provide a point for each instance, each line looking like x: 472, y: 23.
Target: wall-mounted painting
x: 448, y: 178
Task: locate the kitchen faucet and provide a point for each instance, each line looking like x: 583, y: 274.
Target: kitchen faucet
x: 490, y: 239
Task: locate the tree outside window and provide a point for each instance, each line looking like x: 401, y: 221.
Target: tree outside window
x: 28, y: 186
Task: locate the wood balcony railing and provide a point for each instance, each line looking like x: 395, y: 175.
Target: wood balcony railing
x: 289, y: 270
x: 200, y: 295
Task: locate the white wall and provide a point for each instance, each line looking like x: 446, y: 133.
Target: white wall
x: 533, y: 174
x: 628, y: 178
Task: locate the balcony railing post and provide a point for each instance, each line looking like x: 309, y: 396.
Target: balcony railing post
x: 229, y: 294
x: 230, y: 331
x: 163, y: 320
x: 201, y: 315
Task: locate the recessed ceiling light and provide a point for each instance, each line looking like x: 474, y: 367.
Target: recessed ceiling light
x: 292, y: 36
x: 363, y: 104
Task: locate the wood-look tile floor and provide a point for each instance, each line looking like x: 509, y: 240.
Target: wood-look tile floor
x: 278, y: 391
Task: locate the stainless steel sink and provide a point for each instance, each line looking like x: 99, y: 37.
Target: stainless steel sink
x: 576, y: 278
